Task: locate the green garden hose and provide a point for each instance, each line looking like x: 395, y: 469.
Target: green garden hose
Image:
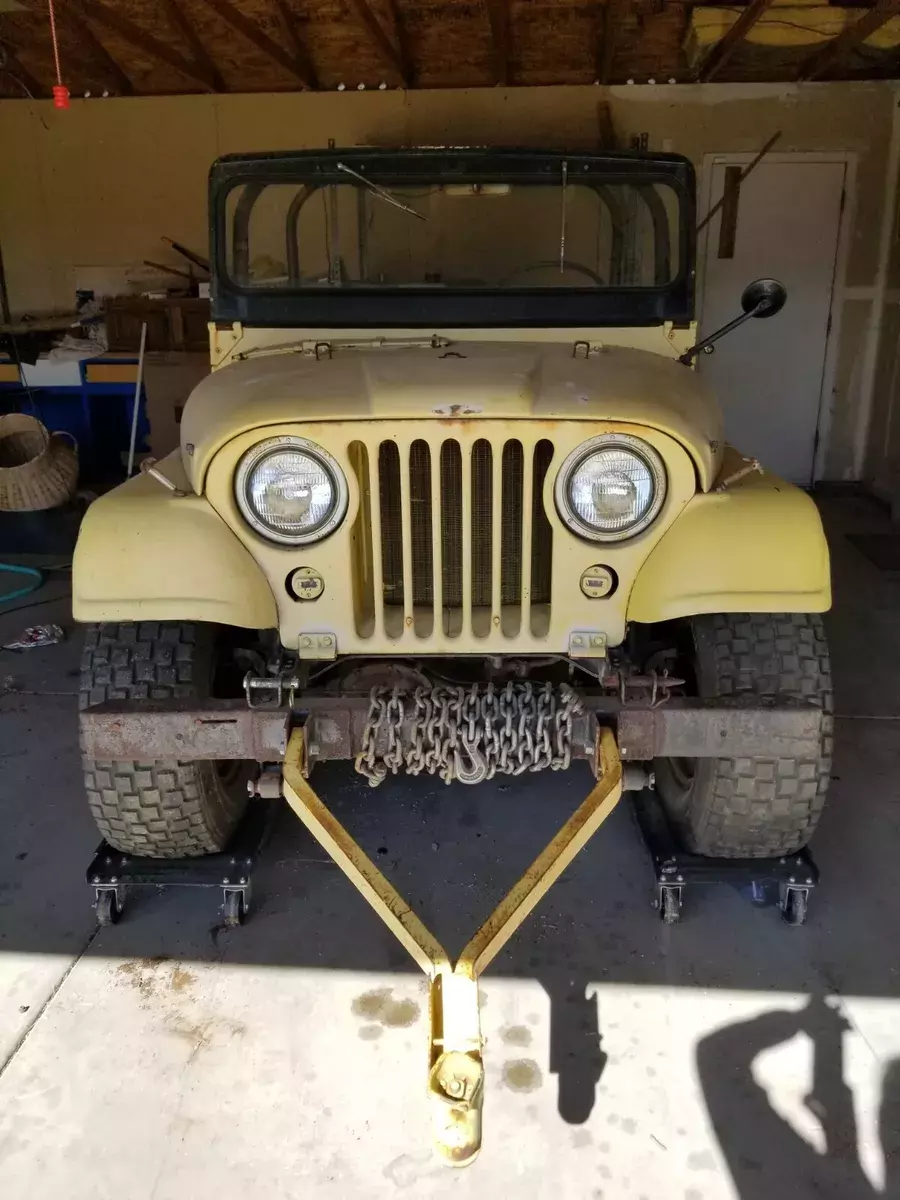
x: 36, y: 579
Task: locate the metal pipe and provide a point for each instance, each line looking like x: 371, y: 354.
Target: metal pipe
x: 137, y: 401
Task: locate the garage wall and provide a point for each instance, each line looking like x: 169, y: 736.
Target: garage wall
x: 882, y: 466
x: 98, y: 185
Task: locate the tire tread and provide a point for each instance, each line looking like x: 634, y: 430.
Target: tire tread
x: 763, y: 807
x: 158, y: 809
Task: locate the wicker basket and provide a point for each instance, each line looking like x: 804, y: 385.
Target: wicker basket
x: 37, y: 469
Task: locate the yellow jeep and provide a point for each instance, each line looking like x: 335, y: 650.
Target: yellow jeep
x: 452, y: 495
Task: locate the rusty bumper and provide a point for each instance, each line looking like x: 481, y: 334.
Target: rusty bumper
x: 228, y: 729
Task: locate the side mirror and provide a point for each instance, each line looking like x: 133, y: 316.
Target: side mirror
x: 761, y: 298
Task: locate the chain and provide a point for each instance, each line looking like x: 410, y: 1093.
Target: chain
x: 468, y: 734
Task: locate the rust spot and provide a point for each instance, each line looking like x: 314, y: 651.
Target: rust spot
x: 180, y: 980
x: 457, y: 410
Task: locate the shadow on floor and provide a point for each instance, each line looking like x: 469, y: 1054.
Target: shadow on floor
x: 765, y: 1154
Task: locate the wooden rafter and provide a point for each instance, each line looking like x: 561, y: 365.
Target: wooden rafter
x: 394, y: 50
x: 249, y: 29
x: 498, y: 15
x: 199, y: 53
x: 103, y: 14
x: 608, y: 36
x: 287, y: 21
x: 83, y: 33
x: 722, y: 51
x: 14, y: 69
x: 834, y: 53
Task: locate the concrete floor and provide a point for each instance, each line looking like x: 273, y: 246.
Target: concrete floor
x: 166, y: 1058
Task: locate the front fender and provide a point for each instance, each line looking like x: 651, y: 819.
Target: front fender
x: 759, y: 546
x: 145, y: 554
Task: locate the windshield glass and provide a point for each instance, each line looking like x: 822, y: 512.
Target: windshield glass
x: 558, y: 232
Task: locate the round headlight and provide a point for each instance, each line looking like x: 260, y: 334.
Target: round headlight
x: 291, y: 490
x: 611, y: 487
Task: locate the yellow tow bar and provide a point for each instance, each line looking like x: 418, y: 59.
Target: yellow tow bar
x: 456, y: 1068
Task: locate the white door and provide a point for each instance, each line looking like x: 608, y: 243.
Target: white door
x: 768, y: 373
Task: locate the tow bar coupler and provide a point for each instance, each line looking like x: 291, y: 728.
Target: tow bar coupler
x: 455, y: 1064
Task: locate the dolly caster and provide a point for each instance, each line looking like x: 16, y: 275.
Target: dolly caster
x: 108, y: 906
x: 234, y: 907
x: 794, y: 901
x: 669, y: 904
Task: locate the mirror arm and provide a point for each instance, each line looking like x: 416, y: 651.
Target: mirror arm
x: 690, y: 354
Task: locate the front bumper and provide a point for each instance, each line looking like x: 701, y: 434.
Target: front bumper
x: 334, y: 725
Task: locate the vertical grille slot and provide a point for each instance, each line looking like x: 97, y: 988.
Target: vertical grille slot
x: 422, y: 537
x: 482, y: 533
x: 451, y: 536
x: 511, y: 538
x: 541, y: 543
x: 390, y: 506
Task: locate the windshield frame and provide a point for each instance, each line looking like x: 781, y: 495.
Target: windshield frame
x: 368, y: 305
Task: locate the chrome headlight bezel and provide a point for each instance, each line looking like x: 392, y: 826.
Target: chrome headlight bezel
x: 264, y: 449
x: 604, y: 441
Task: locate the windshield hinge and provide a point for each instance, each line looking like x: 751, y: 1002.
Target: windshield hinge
x: 585, y: 349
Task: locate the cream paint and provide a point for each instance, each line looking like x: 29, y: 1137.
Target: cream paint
x: 516, y: 382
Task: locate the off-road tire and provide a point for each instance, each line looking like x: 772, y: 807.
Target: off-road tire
x: 742, y: 807
x: 157, y: 809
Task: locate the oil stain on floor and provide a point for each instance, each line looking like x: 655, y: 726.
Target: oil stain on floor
x: 380, y: 1007
x: 522, y: 1075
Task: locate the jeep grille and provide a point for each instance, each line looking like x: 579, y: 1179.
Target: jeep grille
x: 453, y: 528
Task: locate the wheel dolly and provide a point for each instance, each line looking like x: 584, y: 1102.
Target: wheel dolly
x: 676, y: 869
x: 112, y: 874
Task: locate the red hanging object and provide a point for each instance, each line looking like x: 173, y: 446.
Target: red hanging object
x: 60, y: 91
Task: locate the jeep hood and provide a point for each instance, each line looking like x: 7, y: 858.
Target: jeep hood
x: 471, y: 381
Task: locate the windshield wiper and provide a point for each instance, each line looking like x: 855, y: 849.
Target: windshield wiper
x: 380, y: 192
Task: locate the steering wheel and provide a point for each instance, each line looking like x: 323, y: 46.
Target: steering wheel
x: 568, y: 265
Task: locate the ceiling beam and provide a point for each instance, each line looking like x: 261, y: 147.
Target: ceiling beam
x: 287, y: 21
x: 394, y: 51
x: 256, y: 36
x: 723, y: 50
x: 608, y: 36
x: 83, y: 32
x: 834, y: 53
x: 199, y: 53
x: 21, y: 75
x: 498, y: 15
x: 103, y: 14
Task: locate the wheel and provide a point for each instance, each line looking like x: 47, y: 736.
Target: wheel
x: 107, y: 906
x: 233, y: 911
x: 158, y: 809
x: 670, y: 905
x: 793, y: 907
x: 752, y: 808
